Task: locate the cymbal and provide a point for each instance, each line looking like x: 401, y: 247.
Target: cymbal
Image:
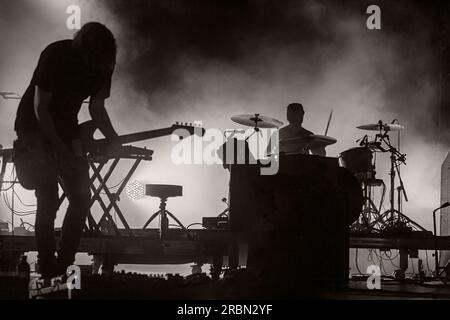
x: 253, y: 120
x: 312, y: 141
x: 383, y: 127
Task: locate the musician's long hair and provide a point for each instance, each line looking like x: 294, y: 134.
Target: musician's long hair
x: 96, y: 45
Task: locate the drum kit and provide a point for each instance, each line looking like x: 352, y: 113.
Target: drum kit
x: 361, y: 162
x: 257, y: 122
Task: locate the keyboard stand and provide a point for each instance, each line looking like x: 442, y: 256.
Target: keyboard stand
x: 102, y: 194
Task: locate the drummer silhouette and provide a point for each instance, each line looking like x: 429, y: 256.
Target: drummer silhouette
x: 295, y: 117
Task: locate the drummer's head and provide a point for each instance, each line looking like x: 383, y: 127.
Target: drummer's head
x: 295, y: 113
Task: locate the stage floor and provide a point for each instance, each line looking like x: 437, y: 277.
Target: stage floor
x: 95, y: 288
x: 393, y: 290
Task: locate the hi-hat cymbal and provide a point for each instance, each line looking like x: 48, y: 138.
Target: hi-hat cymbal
x: 382, y: 127
x: 256, y: 120
x: 312, y: 141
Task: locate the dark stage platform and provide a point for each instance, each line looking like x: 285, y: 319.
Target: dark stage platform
x: 201, y: 245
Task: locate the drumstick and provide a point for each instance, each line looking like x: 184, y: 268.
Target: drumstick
x: 329, y: 120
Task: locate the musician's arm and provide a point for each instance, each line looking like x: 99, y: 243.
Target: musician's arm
x: 41, y: 104
x: 101, y: 117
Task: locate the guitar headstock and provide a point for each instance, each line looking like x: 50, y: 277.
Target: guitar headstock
x: 196, y: 129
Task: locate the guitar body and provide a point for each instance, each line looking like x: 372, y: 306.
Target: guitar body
x: 33, y: 161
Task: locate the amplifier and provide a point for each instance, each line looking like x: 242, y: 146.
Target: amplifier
x: 307, y: 206
x: 215, y: 222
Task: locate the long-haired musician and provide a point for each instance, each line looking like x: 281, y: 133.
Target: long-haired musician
x: 67, y: 73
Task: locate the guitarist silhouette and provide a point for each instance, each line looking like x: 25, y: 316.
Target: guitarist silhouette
x: 68, y: 72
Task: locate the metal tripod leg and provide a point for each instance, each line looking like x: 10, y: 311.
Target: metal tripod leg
x: 153, y: 217
x: 164, y: 211
x: 178, y: 221
x: 369, y: 210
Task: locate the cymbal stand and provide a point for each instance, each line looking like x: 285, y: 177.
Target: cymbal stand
x: 256, y: 130
x: 395, y: 218
x: 225, y: 213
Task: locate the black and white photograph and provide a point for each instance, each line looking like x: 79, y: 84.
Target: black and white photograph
x: 223, y: 156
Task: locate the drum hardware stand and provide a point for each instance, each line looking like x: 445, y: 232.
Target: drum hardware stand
x: 256, y: 130
x: 225, y: 213
x: 256, y: 119
x: 395, y: 216
x: 368, y: 210
x: 370, y: 216
x: 376, y: 226
x: 392, y: 219
x: 369, y: 219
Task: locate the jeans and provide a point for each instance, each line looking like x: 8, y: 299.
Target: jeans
x: 77, y: 188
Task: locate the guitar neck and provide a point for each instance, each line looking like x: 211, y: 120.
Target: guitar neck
x: 140, y: 136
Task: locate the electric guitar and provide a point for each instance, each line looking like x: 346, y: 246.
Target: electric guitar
x: 87, y: 143
x: 32, y: 158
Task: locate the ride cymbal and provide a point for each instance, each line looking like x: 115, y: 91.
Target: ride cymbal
x: 257, y: 120
x: 381, y: 127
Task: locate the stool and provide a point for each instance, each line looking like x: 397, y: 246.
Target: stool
x: 163, y: 192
